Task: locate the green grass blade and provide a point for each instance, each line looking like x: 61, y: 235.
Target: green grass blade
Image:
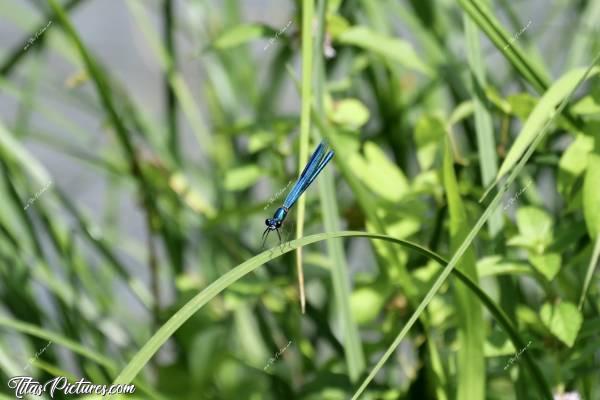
x: 170, y: 99
x: 179, y: 86
x: 471, y: 332
x: 58, y: 339
x: 340, y: 277
x: 242, y: 34
x: 98, y: 78
x: 9, y: 367
x: 484, y: 128
x: 583, y: 39
x: 12, y: 149
x: 24, y: 218
x: 17, y: 54
x: 590, y: 272
x: 307, y: 66
x: 88, y: 229
x: 488, y: 23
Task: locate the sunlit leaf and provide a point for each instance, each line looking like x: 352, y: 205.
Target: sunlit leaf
x: 547, y: 264
x: 350, y: 113
x: 591, y: 195
x: 535, y: 229
x: 429, y: 134
x: 242, y: 177
x: 378, y: 173
x: 563, y: 320
x: 240, y: 34
x: 573, y: 162
x: 394, y: 49
x: 366, y: 304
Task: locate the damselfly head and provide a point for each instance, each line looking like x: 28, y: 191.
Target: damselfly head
x: 273, y: 223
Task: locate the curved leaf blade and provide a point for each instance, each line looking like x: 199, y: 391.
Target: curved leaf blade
x: 544, y: 111
x: 142, y: 357
x: 394, y: 49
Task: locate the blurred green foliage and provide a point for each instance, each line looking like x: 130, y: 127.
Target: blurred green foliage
x: 439, y: 128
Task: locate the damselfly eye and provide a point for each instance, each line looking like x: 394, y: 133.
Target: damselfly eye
x: 267, y: 222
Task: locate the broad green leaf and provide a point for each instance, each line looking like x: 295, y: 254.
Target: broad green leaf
x: 428, y: 182
x: 401, y: 224
x: 547, y: 264
x: 521, y: 104
x: 542, y: 113
x: 350, y: 113
x: 573, y: 163
x: 535, y: 229
x: 242, y: 177
x: 533, y: 222
x: 379, y: 174
x: 336, y: 25
x: 462, y: 111
x: 563, y: 320
x: 259, y: 140
x: 526, y: 315
x: 394, y: 49
x: 425, y: 275
x: 440, y: 311
x: 497, y: 100
x: 495, y: 265
x: 190, y: 194
x: 498, y: 344
x: 591, y: 195
x: 241, y: 34
x: 429, y: 134
x: 588, y: 105
x: 366, y: 303
x: 521, y: 241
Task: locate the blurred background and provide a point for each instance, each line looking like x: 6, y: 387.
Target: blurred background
x: 144, y: 143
